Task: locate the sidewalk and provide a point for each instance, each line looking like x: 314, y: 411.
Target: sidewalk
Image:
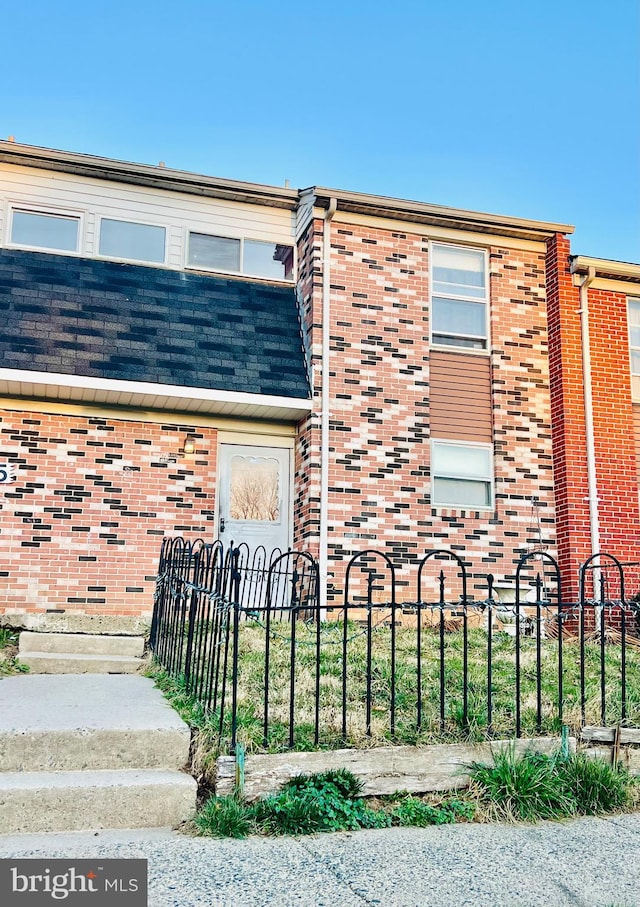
x: 585, y: 863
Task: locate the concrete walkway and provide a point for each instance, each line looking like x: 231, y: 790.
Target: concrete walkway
x: 82, y: 751
x: 585, y: 863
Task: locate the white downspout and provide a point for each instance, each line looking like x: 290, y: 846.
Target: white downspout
x: 592, y: 476
x: 325, y: 413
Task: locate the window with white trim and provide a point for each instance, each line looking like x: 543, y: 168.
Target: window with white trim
x: 132, y: 241
x: 252, y: 257
x: 459, y: 297
x: 461, y: 475
x: 633, y: 309
x: 42, y: 230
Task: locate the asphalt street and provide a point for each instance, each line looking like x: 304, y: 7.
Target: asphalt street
x: 588, y: 862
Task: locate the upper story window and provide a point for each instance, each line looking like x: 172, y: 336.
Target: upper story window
x: 461, y: 475
x: 133, y: 241
x: 252, y: 257
x: 40, y: 230
x: 634, y: 346
x: 459, y: 310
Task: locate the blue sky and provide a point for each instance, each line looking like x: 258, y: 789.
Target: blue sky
x: 531, y: 109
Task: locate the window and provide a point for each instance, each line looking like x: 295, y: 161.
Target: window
x: 45, y: 231
x: 245, y: 256
x: 461, y: 475
x: 136, y: 242
x: 215, y: 252
x: 634, y: 346
x: 458, y: 297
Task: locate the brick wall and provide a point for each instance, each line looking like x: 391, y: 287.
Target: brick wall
x: 306, y: 509
x: 81, y: 527
x: 380, y: 425
x: 615, y: 456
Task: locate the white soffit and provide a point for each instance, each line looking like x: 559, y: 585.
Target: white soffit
x: 146, y: 395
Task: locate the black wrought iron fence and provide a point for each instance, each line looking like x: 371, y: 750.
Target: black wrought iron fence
x: 246, y: 633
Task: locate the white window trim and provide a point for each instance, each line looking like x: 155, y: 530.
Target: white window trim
x: 133, y: 261
x: 490, y: 479
x: 452, y: 347
x: 241, y: 273
x: 45, y: 211
x: 635, y: 397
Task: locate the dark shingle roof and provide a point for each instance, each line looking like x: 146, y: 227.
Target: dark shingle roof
x: 103, y: 319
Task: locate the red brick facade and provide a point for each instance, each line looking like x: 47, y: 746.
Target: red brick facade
x: 82, y: 525
x: 615, y: 453
x: 94, y: 495
x: 379, y: 481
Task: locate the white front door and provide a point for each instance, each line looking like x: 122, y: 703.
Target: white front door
x: 254, y: 496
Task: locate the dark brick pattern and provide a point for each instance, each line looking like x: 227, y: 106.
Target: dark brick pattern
x: 380, y: 424
x: 81, y: 527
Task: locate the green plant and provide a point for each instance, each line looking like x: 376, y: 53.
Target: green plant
x: 595, y: 786
x: 8, y: 637
x: 415, y: 812
x: 288, y: 813
x: 524, y: 787
x: 333, y: 798
x: 225, y: 817
x: 535, y: 786
x: 342, y: 779
x: 8, y: 651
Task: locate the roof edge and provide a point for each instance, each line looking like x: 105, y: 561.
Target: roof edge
x: 423, y: 212
x: 146, y: 394
x: 146, y: 174
x: 606, y: 268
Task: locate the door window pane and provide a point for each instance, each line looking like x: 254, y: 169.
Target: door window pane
x: 217, y: 252
x: 137, y: 242
x: 45, y: 231
x: 254, y: 489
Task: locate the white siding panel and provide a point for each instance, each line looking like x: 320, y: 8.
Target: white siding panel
x: 26, y: 185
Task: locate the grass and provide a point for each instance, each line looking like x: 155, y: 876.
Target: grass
x: 323, y: 802
x: 536, y: 786
x: 251, y: 687
x: 525, y: 788
x: 8, y: 652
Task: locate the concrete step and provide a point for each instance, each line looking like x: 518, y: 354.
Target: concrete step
x: 70, y: 663
x: 81, y: 644
x: 35, y: 802
x: 88, y: 721
x: 87, y: 749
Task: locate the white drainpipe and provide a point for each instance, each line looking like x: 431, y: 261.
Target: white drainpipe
x: 592, y: 477
x: 325, y: 414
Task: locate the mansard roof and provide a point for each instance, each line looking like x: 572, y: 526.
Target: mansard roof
x: 120, y: 322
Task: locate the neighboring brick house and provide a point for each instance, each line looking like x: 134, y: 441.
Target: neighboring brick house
x: 594, y: 347
x: 380, y: 367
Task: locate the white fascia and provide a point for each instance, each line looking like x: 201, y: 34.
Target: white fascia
x: 146, y: 394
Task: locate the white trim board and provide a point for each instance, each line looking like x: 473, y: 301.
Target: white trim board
x: 147, y: 395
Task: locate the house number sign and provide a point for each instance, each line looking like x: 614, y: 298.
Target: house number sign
x: 7, y: 473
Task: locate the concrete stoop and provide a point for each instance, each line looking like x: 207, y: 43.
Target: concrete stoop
x: 90, y: 751
x: 80, y: 653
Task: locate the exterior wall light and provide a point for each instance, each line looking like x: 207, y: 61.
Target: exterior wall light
x: 189, y: 445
